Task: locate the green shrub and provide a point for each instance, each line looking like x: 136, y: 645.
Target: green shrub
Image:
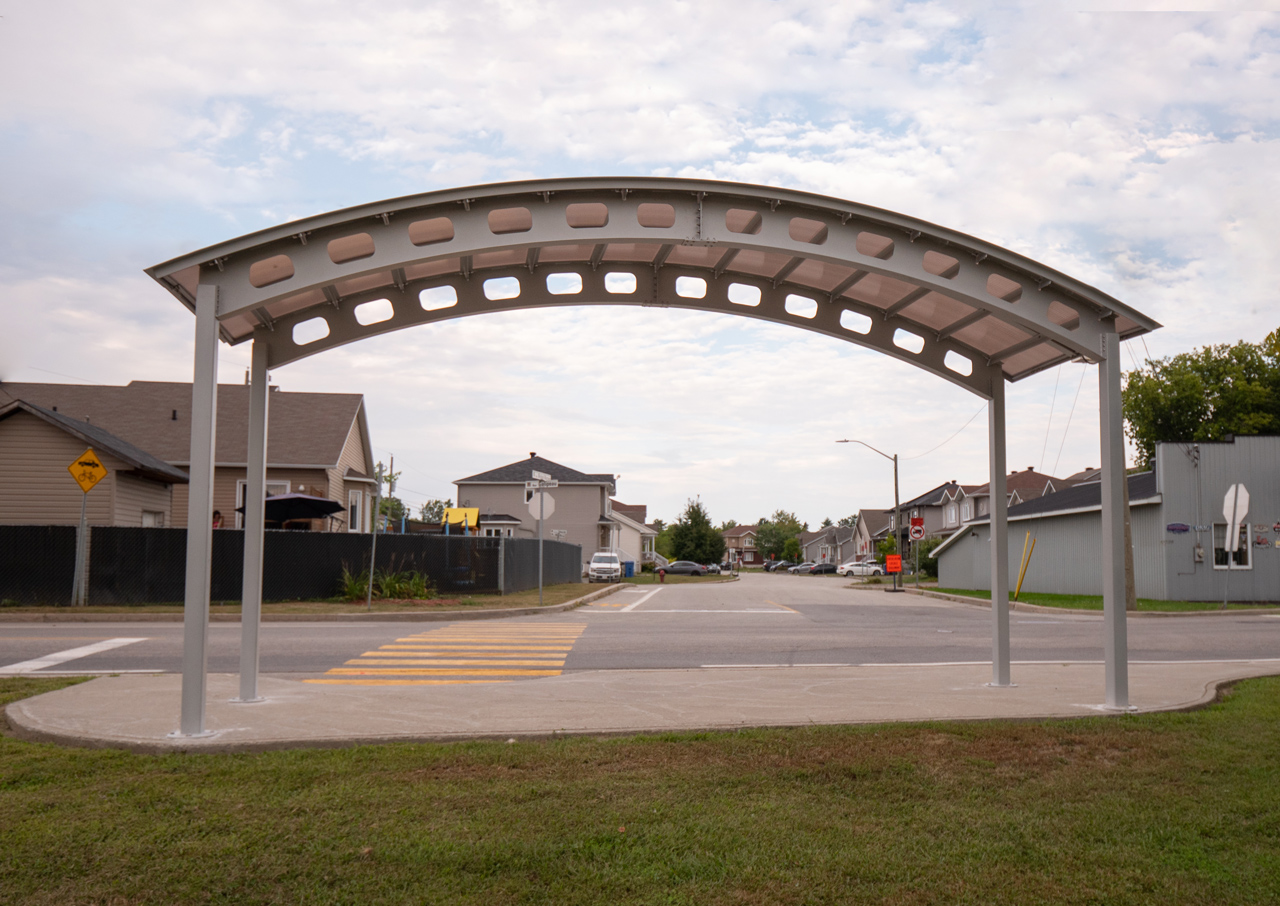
x: 386, y: 584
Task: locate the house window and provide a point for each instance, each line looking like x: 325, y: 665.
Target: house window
x: 966, y: 511
x: 528, y: 495
x: 354, y: 510
x: 951, y: 514
x: 274, y: 488
x: 1243, y: 556
x: 152, y: 519
x: 748, y: 542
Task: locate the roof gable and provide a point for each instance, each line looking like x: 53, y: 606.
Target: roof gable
x: 101, y: 441
x: 522, y: 470
x: 302, y: 428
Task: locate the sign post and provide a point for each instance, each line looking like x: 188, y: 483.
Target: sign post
x: 87, y: 470
x: 1235, y: 507
x: 917, y: 535
x: 541, y: 481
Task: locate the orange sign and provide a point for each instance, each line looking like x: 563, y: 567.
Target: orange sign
x: 892, y: 563
x: 87, y: 470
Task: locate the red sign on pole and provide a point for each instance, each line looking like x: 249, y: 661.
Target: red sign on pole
x: 917, y: 520
x: 892, y: 563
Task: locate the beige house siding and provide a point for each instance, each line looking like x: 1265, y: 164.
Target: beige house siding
x: 577, y: 510
x: 37, y: 489
x: 224, y: 490
x: 354, y: 456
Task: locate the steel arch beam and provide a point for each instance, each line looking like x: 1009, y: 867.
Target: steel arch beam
x: 963, y: 309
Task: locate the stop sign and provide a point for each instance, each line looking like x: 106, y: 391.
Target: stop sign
x: 535, y: 507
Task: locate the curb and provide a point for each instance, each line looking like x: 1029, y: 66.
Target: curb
x: 408, y: 617
x: 1038, y: 608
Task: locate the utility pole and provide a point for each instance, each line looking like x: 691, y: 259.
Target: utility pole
x: 897, y: 509
x: 373, y: 550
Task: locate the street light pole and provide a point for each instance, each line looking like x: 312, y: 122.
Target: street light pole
x: 897, y: 509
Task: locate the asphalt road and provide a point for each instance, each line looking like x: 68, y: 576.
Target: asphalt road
x: 761, y: 620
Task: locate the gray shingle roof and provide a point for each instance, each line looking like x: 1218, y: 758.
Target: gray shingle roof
x: 102, y: 441
x: 303, y: 428
x: 522, y: 471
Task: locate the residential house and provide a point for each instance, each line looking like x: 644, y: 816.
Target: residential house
x: 834, y: 544
x: 37, y: 446
x: 873, y: 526
x: 740, y: 545
x: 579, y: 507
x: 635, y: 538
x: 317, y: 443
x: 1179, y: 535
x: 1020, y: 486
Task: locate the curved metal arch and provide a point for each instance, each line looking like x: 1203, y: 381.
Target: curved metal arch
x: 864, y: 275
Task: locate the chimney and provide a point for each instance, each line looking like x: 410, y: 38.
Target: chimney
x: 532, y: 454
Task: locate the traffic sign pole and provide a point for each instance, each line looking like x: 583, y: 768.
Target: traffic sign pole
x: 78, y: 595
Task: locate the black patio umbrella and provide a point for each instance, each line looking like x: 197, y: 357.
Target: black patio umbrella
x: 288, y: 507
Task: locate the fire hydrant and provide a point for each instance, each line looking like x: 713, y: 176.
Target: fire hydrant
x: 662, y: 576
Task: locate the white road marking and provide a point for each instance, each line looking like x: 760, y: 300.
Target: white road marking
x: 634, y: 591
x: 61, y: 657
x: 757, y: 610
x: 757, y: 666
x: 638, y: 601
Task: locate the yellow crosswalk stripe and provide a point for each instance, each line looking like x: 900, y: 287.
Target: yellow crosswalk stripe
x: 461, y: 653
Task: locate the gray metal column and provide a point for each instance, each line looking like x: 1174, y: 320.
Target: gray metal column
x: 204, y: 416
x: 999, y: 537
x: 1115, y: 628
x: 255, y: 485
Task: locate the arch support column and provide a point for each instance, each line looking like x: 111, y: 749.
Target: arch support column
x: 999, y: 536
x: 1115, y: 627
x: 204, y: 418
x: 255, y: 487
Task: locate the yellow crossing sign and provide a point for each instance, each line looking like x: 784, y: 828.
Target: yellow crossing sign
x: 87, y: 470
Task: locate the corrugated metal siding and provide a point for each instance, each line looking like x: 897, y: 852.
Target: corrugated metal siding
x: 1067, y: 557
x: 1193, y: 495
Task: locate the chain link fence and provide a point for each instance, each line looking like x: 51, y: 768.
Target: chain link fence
x: 148, y: 565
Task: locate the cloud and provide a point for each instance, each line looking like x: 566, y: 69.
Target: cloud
x: 1133, y: 150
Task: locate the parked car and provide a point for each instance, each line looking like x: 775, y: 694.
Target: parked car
x: 800, y: 567
x: 713, y: 568
x: 865, y: 568
x: 685, y: 568
x: 604, y: 567
x: 774, y: 565
x: 819, y: 569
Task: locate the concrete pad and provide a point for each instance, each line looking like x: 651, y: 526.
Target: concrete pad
x: 140, y: 712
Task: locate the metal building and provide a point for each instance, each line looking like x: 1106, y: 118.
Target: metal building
x: 1177, y: 525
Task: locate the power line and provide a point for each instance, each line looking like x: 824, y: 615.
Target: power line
x: 1045, y: 446
x: 1084, y: 369
x: 951, y: 438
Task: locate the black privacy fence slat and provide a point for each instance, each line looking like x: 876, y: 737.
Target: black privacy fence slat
x: 148, y: 565
x: 37, y: 563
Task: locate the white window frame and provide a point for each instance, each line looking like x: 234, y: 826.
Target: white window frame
x: 157, y: 518
x: 358, y: 498
x: 1246, y: 544
x: 951, y: 514
x: 966, y: 511
x: 273, y: 488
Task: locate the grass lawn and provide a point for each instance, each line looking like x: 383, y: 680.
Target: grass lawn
x: 1152, y: 809
x: 552, y: 594
x: 1094, y: 602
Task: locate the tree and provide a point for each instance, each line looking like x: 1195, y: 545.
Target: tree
x: 827, y: 523
x: 693, y: 537
x: 728, y: 524
x: 393, y: 508
x: 889, y: 545
x: 433, y: 510
x: 1204, y: 395
x: 791, y: 550
x: 848, y: 522
x: 772, y: 533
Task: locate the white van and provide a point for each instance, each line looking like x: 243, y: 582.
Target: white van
x: 605, y: 567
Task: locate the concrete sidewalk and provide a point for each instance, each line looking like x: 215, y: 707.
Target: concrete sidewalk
x: 139, y: 712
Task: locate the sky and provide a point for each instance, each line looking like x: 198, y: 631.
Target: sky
x: 1130, y: 146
